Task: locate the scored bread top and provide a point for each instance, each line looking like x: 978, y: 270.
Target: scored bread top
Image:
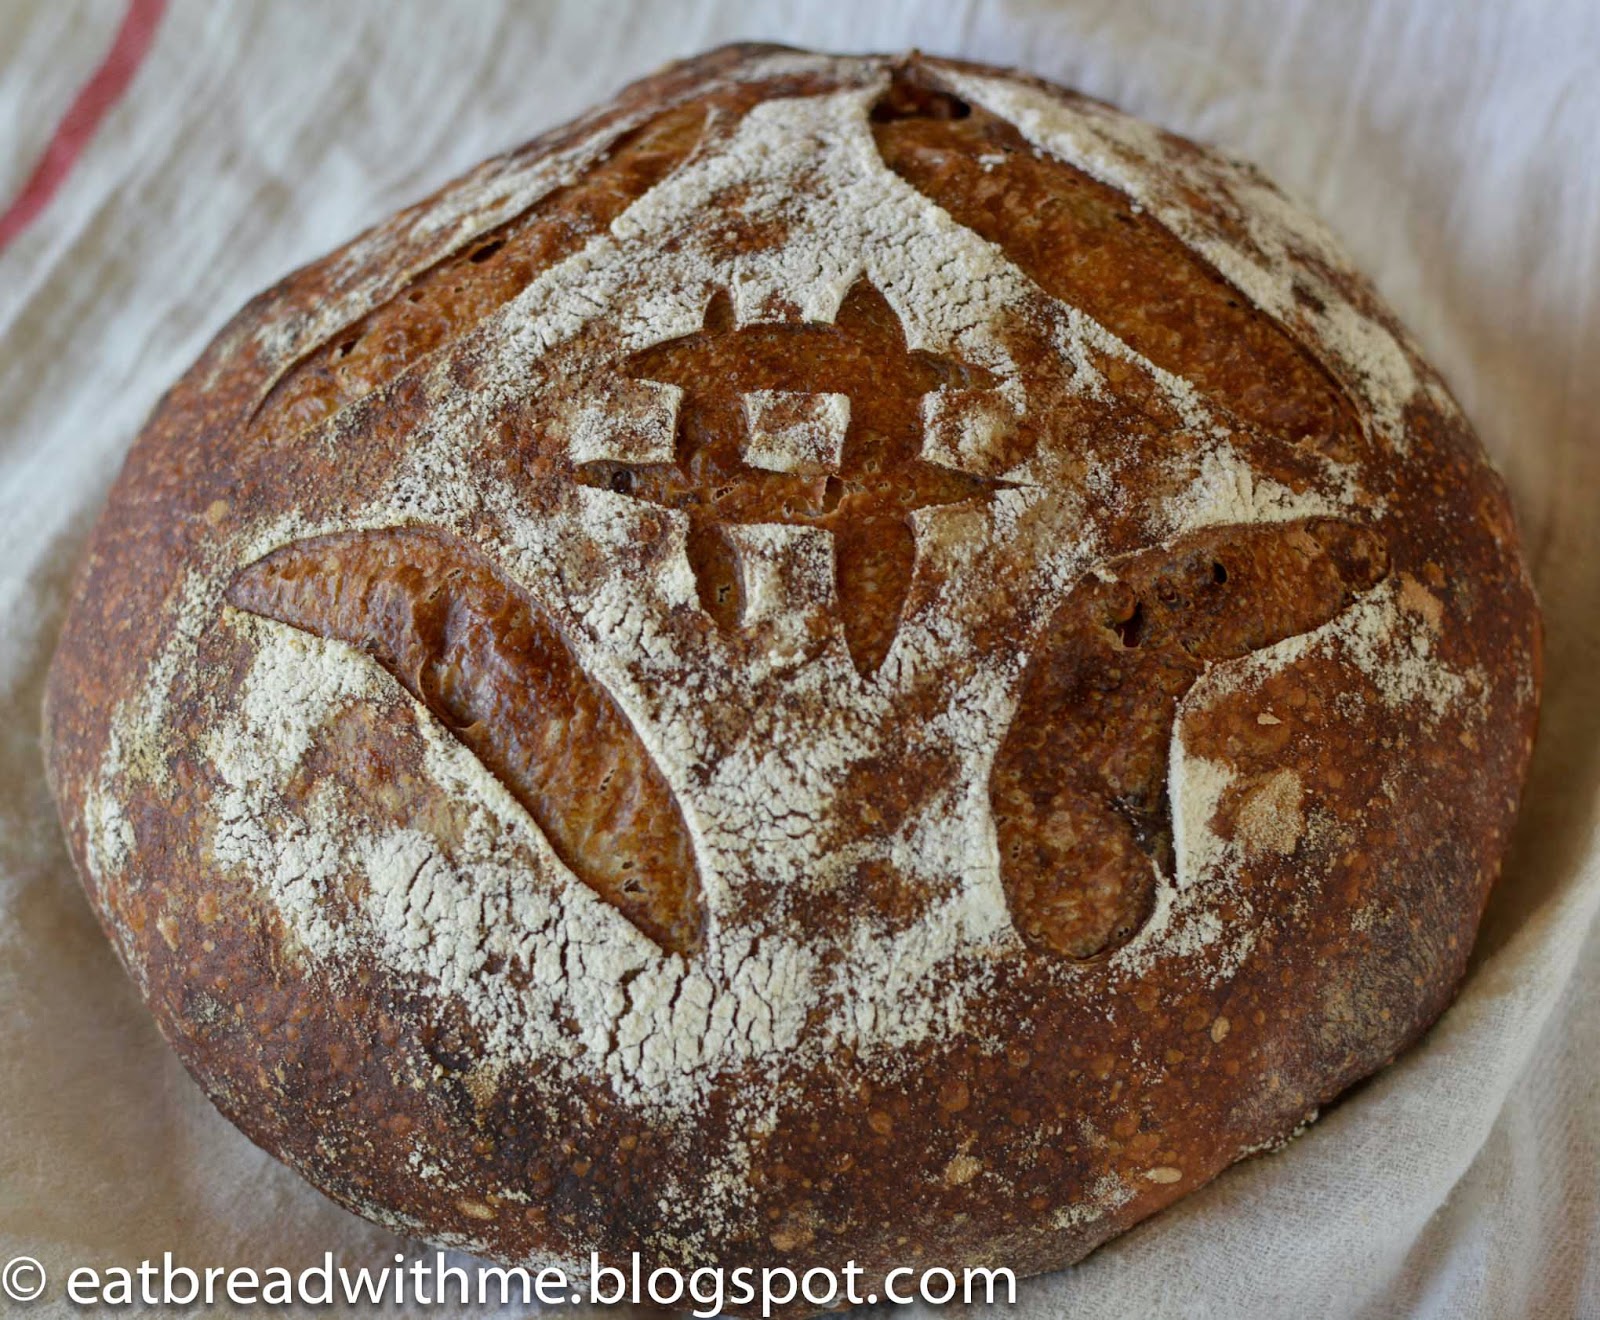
x: 843, y: 649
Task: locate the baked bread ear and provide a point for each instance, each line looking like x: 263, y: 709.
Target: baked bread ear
x: 843, y: 653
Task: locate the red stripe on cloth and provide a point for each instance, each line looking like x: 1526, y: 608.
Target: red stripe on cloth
x: 77, y: 127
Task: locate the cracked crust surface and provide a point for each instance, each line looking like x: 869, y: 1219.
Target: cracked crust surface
x: 842, y: 652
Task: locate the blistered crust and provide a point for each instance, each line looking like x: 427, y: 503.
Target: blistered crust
x: 855, y: 1028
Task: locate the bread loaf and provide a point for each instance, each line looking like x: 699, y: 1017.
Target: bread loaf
x: 846, y: 658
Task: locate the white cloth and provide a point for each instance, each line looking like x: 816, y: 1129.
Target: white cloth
x: 1456, y: 148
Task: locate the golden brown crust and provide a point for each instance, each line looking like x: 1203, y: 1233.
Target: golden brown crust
x: 1012, y: 869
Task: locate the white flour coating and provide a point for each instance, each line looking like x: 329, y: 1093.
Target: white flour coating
x: 1195, y: 787
x: 108, y: 834
x: 134, y: 742
x: 1379, y: 638
x: 758, y: 782
x: 1272, y: 817
x: 1224, y: 489
x: 795, y: 432
x: 964, y: 428
x: 637, y: 422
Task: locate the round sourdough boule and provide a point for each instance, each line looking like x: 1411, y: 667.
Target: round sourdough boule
x: 843, y: 658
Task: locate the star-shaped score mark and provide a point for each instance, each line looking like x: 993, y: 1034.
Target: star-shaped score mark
x: 863, y: 491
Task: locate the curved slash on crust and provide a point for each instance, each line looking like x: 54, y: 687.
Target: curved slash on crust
x: 1086, y: 244
x: 448, y: 299
x: 469, y: 645
x: 1080, y: 800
